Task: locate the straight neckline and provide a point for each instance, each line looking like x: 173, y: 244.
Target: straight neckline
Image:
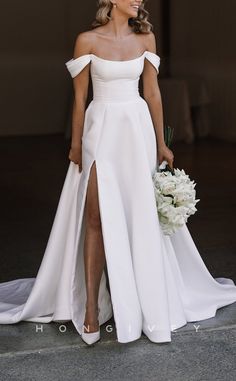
x: 119, y: 61
x: 133, y: 59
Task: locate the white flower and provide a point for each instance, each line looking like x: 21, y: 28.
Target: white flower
x: 175, y: 198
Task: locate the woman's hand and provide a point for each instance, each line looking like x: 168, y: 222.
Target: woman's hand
x: 164, y: 153
x: 75, y: 155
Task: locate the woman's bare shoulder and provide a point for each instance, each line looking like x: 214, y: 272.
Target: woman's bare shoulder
x: 149, y: 41
x: 84, y: 43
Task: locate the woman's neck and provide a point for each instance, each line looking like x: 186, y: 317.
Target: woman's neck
x: 119, y: 26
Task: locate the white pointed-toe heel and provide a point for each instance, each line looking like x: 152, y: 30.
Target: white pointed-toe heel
x: 91, y: 337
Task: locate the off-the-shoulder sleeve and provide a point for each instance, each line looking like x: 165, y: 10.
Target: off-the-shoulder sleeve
x: 154, y: 59
x: 76, y: 65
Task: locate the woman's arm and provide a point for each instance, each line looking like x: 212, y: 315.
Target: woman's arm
x: 80, y: 84
x: 152, y: 96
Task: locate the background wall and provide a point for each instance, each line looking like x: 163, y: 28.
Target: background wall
x: 37, y: 38
x: 196, y: 40
x: 34, y: 88
x: 202, y: 45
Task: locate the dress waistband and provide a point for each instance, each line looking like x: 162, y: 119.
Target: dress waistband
x: 115, y: 91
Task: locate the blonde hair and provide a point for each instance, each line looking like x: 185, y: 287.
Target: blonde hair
x: 140, y: 24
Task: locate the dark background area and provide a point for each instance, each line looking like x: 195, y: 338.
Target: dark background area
x: 195, y: 40
x: 196, y: 43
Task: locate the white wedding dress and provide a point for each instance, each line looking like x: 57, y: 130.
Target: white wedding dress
x: 157, y: 283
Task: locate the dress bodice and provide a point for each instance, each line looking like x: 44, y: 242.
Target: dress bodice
x: 113, y: 80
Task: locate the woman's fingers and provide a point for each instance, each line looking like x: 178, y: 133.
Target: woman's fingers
x: 76, y: 157
x: 171, y: 164
x: 171, y: 160
x: 166, y: 154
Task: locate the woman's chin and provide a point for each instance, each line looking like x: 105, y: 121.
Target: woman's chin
x: 132, y: 14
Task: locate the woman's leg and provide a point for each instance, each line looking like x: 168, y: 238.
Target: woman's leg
x: 94, y: 255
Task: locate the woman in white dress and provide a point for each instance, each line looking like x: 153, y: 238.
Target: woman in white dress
x: 115, y: 40
x: 107, y: 208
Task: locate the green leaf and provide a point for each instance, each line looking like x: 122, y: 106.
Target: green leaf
x: 168, y: 135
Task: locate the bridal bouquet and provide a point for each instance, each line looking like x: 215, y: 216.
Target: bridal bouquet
x: 175, y: 194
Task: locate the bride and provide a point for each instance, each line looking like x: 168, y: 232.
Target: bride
x: 114, y: 38
x: 107, y: 211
